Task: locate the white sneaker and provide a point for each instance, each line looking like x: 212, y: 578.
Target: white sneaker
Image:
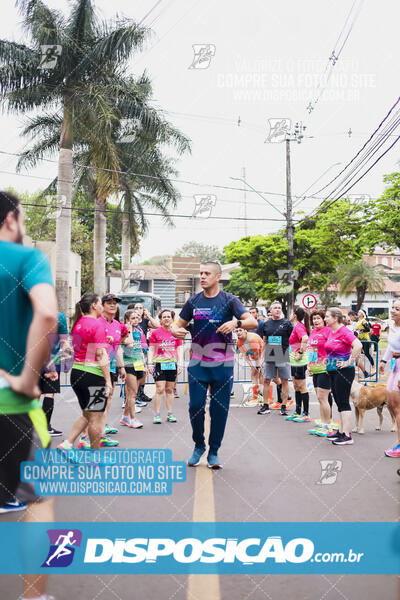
x: 138, y: 409
x: 136, y: 424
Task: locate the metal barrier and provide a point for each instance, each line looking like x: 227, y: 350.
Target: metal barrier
x: 241, y: 371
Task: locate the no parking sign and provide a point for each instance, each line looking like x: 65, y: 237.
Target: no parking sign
x: 309, y: 301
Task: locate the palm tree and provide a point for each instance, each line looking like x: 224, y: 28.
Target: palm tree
x: 85, y: 56
x: 361, y: 277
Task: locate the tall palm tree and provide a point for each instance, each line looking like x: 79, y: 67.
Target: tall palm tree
x: 360, y: 277
x: 86, y: 54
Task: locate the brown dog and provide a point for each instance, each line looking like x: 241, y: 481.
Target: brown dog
x: 366, y: 397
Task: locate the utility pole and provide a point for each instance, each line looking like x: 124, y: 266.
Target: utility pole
x: 289, y: 230
x: 296, y: 136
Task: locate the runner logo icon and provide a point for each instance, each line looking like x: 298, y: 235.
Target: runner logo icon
x: 62, y: 547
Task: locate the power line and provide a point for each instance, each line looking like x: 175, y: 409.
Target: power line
x: 194, y: 183
x: 335, y: 55
x: 361, y: 149
x: 147, y: 214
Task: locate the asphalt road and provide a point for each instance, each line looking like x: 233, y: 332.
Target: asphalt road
x: 271, y: 473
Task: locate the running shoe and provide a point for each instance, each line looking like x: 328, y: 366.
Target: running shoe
x: 232, y: 393
x: 54, y: 432
x: 292, y: 417
x: 171, y: 418
x: 107, y: 442
x: 334, y: 424
x: 138, y: 409
x: 324, y: 432
x: 83, y: 443
x: 13, y: 506
x: 213, y: 461
x: 135, y: 423
x: 344, y: 440
x: 335, y: 435
x: 275, y: 406
x: 196, y: 456
x: 140, y: 403
x: 302, y: 419
x: 125, y: 421
x: 283, y: 411
x: 157, y: 420
x: 263, y: 410
x: 110, y: 429
x: 143, y: 397
x: 314, y: 430
x: 65, y: 445
x: 393, y: 452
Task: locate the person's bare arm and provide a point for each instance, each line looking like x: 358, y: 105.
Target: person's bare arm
x: 104, y: 364
x: 248, y: 322
x: 120, y: 363
x: 153, y: 323
x: 180, y: 358
x: 43, y: 325
x: 178, y: 329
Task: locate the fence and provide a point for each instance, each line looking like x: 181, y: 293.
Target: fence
x: 241, y: 371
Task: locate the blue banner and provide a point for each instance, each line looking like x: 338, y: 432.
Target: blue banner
x: 241, y: 548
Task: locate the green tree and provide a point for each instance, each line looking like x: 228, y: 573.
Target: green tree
x: 88, y: 56
x: 320, y: 244
x: 383, y: 215
x: 240, y: 285
x: 40, y: 223
x: 204, y: 252
x: 359, y: 276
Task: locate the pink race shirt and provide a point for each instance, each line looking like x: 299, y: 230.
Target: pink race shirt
x: 117, y: 331
x: 165, y: 345
x: 295, y: 337
x: 338, y: 346
x: 316, y: 349
x: 88, y: 335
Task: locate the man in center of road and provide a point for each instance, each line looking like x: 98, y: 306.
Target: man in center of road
x: 211, y: 358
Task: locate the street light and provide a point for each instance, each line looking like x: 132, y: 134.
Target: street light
x: 258, y: 193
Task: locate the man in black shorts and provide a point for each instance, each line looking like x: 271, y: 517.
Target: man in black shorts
x: 26, y: 282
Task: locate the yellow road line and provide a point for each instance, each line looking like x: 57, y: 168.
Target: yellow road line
x: 204, y: 587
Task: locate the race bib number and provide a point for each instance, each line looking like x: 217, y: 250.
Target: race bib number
x: 331, y: 364
x: 138, y: 366
x: 312, y: 356
x: 168, y: 366
x: 275, y: 340
x: 392, y: 364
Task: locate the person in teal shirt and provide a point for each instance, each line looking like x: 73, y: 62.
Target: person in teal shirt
x: 29, y: 308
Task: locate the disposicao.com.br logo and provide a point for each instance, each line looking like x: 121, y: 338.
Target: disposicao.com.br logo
x: 247, y: 551
x: 62, y: 547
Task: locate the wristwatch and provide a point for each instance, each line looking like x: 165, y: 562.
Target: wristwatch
x: 238, y: 324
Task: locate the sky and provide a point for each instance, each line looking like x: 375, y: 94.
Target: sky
x: 264, y: 61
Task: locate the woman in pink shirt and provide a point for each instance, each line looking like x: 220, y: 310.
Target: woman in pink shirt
x: 317, y: 368
x: 165, y: 362
x: 300, y: 319
x: 342, y: 351
x: 90, y: 374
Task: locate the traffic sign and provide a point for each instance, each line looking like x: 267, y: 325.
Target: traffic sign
x: 309, y: 301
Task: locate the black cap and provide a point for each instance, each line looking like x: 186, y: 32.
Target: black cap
x: 110, y: 297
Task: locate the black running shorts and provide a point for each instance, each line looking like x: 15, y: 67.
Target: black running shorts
x: 90, y: 390
x: 21, y: 435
